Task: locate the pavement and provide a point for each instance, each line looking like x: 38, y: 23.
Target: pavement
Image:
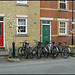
x: 39, y: 66
x: 6, y: 59
x: 43, y: 65
x: 44, y: 60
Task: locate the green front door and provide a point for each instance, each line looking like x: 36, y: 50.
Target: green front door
x: 45, y: 33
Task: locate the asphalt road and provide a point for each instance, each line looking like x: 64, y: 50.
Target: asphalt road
x: 41, y: 66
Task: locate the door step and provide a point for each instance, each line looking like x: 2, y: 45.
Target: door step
x: 3, y: 55
x: 2, y: 47
x: 4, y: 52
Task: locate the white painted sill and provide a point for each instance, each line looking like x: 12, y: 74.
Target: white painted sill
x: 63, y: 10
x: 63, y: 35
x: 21, y: 4
x: 22, y: 35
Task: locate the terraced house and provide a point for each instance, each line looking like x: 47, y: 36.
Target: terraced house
x: 56, y: 20
x: 19, y: 21
x: 35, y: 20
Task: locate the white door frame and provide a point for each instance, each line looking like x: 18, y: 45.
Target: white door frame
x: 46, y: 24
x: 3, y: 32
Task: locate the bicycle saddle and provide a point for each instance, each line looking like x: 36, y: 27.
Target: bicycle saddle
x: 59, y: 42
x: 65, y: 42
x: 40, y: 42
x: 53, y: 43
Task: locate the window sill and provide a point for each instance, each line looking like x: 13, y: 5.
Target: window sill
x: 63, y: 10
x: 21, y: 4
x: 62, y: 35
x: 22, y: 35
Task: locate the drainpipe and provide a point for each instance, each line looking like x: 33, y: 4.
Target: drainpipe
x: 72, y: 24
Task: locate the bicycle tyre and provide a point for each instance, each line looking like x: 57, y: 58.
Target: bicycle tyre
x: 65, y: 52
x: 25, y: 54
x: 45, y: 53
x: 54, y: 52
x: 39, y: 54
x: 20, y: 51
x: 30, y: 53
x: 34, y: 51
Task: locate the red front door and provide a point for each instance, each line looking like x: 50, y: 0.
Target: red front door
x: 1, y: 35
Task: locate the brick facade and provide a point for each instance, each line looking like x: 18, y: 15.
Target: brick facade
x: 50, y: 9
x: 35, y: 10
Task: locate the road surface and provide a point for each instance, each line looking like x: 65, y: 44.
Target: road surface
x: 41, y: 66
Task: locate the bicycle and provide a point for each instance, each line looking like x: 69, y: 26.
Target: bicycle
x: 42, y: 51
x: 52, y: 49
x: 39, y: 49
x: 36, y: 48
x: 64, y: 49
x: 25, y: 50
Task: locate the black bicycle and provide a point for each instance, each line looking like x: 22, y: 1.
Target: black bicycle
x: 52, y: 49
x: 25, y: 50
x: 64, y: 49
x: 39, y: 49
x: 36, y: 48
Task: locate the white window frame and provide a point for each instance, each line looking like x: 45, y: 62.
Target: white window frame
x: 21, y: 25
x: 22, y: 2
x: 63, y: 2
x: 63, y: 27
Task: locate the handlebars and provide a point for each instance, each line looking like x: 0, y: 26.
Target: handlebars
x: 38, y: 42
x: 65, y: 43
x: 24, y: 42
x: 50, y: 42
x: 46, y: 42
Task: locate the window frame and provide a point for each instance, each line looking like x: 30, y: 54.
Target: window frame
x: 63, y: 27
x: 22, y: 2
x: 21, y: 25
x: 63, y: 2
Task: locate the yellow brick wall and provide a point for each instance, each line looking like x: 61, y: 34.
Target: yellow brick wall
x: 11, y: 9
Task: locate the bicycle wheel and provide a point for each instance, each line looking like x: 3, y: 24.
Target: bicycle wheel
x: 30, y: 53
x: 54, y: 52
x: 34, y: 51
x: 65, y: 52
x: 39, y: 54
x: 45, y: 52
x: 25, y: 54
x: 20, y: 51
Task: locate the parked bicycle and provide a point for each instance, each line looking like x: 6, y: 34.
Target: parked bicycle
x: 25, y: 50
x: 52, y: 49
x: 64, y: 49
x: 48, y: 49
x: 39, y: 49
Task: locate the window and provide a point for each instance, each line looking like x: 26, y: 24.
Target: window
x: 62, y: 4
x: 1, y: 18
x: 46, y: 22
x: 62, y: 28
x: 22, y: 1
x: 21, y: 25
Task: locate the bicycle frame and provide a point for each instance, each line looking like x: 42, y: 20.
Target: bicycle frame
x: 50, y: 46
